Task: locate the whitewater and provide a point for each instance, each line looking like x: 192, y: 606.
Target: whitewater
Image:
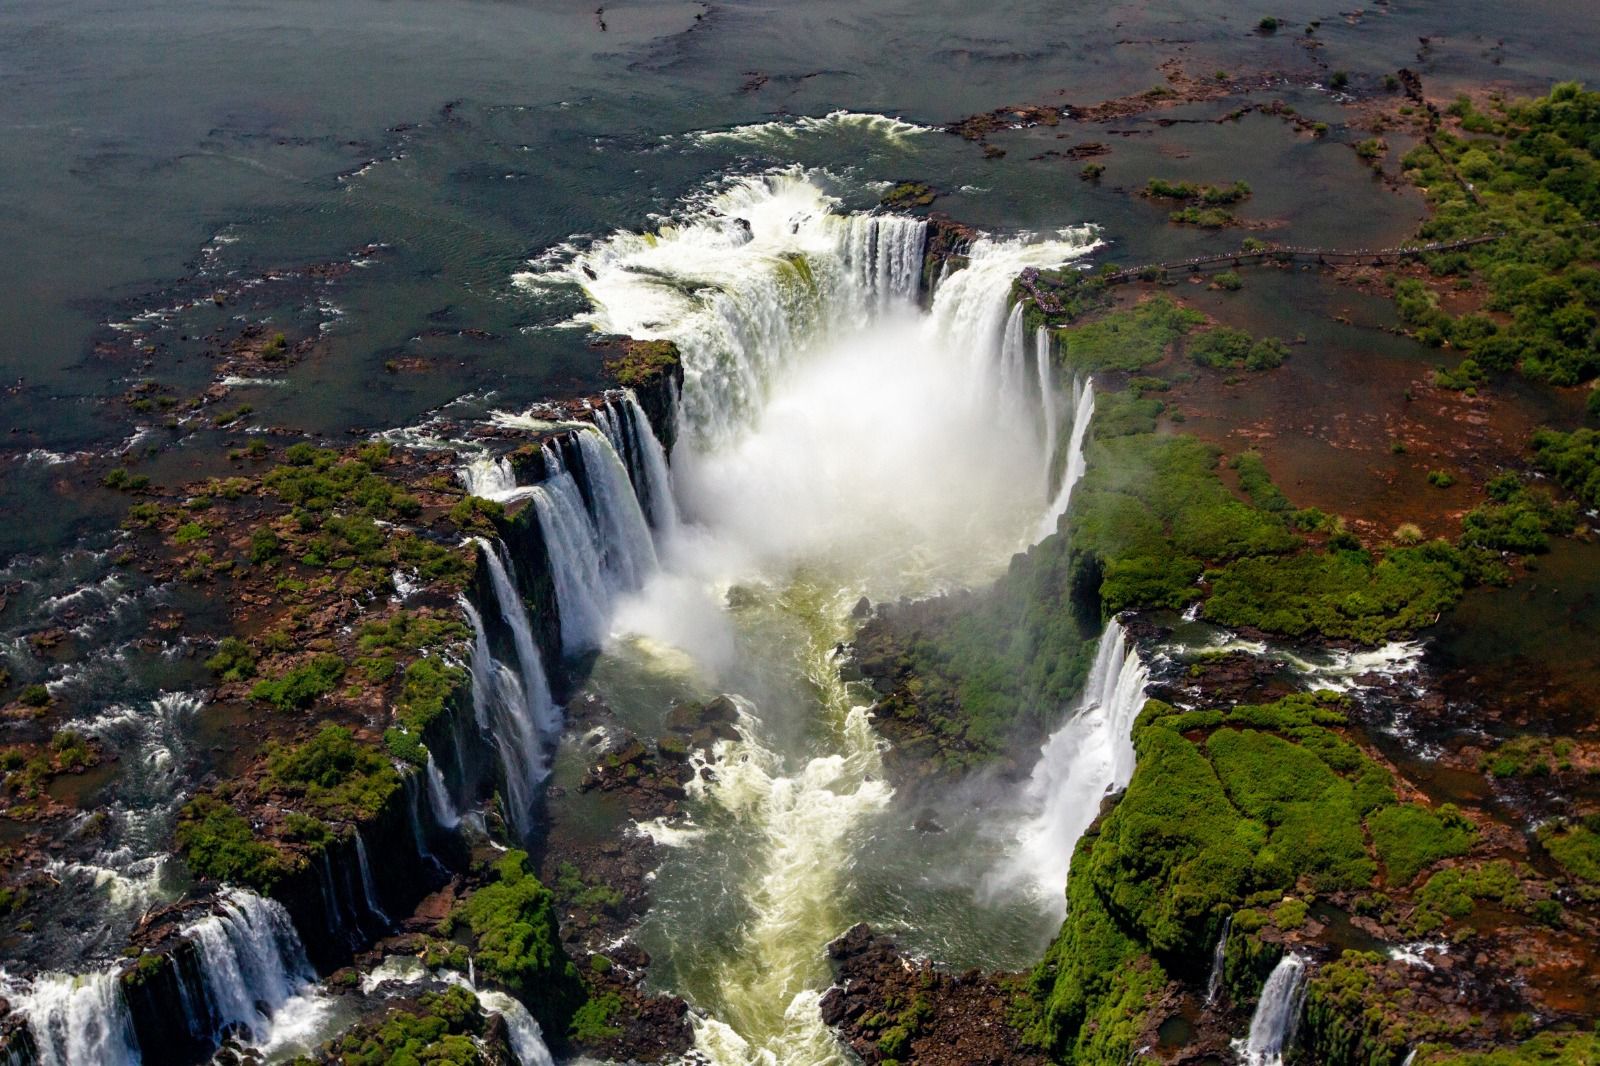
x: 843, y: 434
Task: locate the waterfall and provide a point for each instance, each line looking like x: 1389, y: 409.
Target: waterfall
x: 628, y: 555
x: 251, y: 961
x: 569, y: 537
x: 489, y: 477
x: 415, y: 786
x: 1013, y: 346
x: 527, y: 1039
x: 836, y: 440
x: 541, y: 708
x: 1219, y: 959
x: 1277, y: 1014
x: 1047, y: 397
x: 628, y: 429
x: 1090, y: 755
x: 772, y: 265
x: 444, y: 808
x: 76, y: 1019
x: 509, y: 714
x: 1082, y: 415
x: 368, y: 888
x: 885, y: 252
x: 593, y: 558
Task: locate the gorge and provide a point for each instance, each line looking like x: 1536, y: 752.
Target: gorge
x: 721, y: 585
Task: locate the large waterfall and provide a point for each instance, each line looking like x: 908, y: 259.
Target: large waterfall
x: 508, y: 711
x: 623, y: 422
x: 773, y: 266
x: 1090, y: 755
x: 594, y: 557
x: 835, y: 440
x: 253, y: 974
x: 76, y: 1019
x: 1277, y: 1014
x: 252, y: 962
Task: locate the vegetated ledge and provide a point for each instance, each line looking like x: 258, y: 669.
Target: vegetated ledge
x: 1279, y: 826
x: 1158, y: 521
x: 337, y: 576
x: 1154, y: 524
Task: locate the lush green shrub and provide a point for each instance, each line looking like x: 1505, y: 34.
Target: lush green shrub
x: 234, y: 660
x: 334, y: 773
x: 1409, y: 838
x: 1517, y: 520
x: 1127, y: 339
x: 591, y: 1023
x: 1264, y: 799
x: 219, y: 844
x: 300, y: 685
x: 1340, y: 593
x: 1573, y: 459
x: 1203, y: 217
x: 1576, y: 846
x: 1228, y: 348
x: 438, y: 1029
x: 474, y: 514
x: 517, y: 944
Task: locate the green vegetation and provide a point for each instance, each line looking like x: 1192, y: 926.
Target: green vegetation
x: 515, y: 940
x: 1204, y: 217
x: 1576, y: 846
x: 1573, y: 459
x: 190, y: 533
x: 301, y: 684
x: 643, y: 363
x: 1546, y: 1049
x: 908, y: 195
x: 1234, y: 349
x: 1228, y: 280
x: 1225, y: 808
x: 474, y: 514
x: 591, y: 1023
x: 218, y: 843
x: 438, y: 1028
x: 333, y: 774
x: 1161, y: 189
x: 71, y: 750
x: 1128, y: 339
x: 119, y: 478
x: 1517, y: 518
x: 424, y: 694
x: 1534, y: 177
x: 317, y: 481
x: 1340, y: 593
x: 34, y: 696
x: 234, y: 660
x: 1528, y: 756
x: 1409, y: 838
